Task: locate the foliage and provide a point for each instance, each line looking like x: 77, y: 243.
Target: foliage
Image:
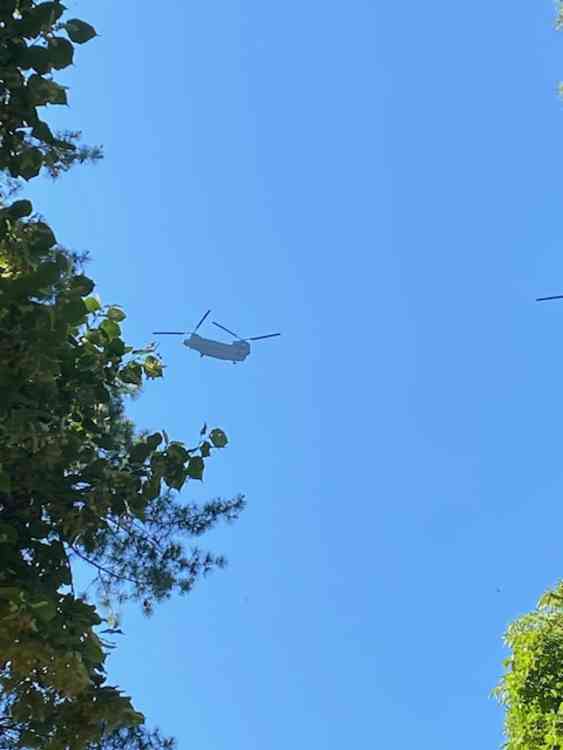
x: 129, y: 738
x: 135, y: 738
x: 532, y: 688
x: 35, y: 43
x: 77, y: 482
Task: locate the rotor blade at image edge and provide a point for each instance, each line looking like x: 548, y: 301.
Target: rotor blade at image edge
x: 544, y: 299
x: 168, y: 333
x: 226, y: 329
x: 201, y: 321
x: 267, y: 336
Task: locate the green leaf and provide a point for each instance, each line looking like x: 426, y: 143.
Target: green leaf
x: 46, y: 275
x: 154, y: 440
x: 43, y: 91
x: 49, y: 12
x: 61, y: 52
x: 42, y: 132
x: 81, y: 285
x: 111, y: 329
x: 12, y: 77
x: 218, y: 438
x: 28, y: 164
x: 92, y: 651
x: 19, y: 209
x: 205, y: 449
x: 116, y: 347
x: 95, y: 337
x: 80, y: 31
x: 177, y: 453
x: 35, y: 57
x: 131, y: 373
x: 139, y: 453
x: 196, y: 467
x: 114, y: 313
x: 102, y: 394
x: 38, y: 18
x: 92, y: 304
x: 74, y: 312
x: 152, y: 367
x: 64, y: 263
x: 45, y: 610
x: 42, y: 238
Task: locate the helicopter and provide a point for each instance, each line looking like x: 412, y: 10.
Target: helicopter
x: 238, y: 351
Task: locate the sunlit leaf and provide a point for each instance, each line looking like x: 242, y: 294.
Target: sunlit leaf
x: 115, y: 314
x: 111, y: 329
x: 92, y: 304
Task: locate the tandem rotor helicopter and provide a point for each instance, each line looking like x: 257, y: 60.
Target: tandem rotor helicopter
x: 238, y: 351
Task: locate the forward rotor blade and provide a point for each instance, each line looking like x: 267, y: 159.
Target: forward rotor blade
x: 226, y: 329
x: 544, y: 299
x: 168, y: 333
x: 201, y: 321
x: 268, y: 336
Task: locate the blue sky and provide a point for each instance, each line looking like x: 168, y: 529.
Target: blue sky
x: 381, y: 182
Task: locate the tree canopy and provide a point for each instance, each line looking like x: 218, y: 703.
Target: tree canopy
x: 77, y: 480
x: 532, y: 687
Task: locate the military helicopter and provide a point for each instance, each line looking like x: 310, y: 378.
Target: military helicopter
x: 238, y: 351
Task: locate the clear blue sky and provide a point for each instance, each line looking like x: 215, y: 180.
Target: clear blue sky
x: 382, y: 182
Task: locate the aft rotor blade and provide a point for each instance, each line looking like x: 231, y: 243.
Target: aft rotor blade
x: 268, y: 336
x: 201, y: 321
x: 226, y: 329
x: 168, y: 333
x: 544, y: 299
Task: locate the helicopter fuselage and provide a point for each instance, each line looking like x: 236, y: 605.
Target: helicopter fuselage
x: 238, y: 351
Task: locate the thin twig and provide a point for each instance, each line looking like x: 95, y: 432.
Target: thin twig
x: 105, y: 570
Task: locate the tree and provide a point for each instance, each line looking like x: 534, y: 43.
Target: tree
x: 532, y: 687
x: 77, y: 481
x: 34, y: 42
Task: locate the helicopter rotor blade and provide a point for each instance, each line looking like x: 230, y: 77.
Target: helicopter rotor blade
x: 544, y: 299
x: 201, y: 321
x: 267, y: 336
x: 226, y: 329
x: 168, y: 333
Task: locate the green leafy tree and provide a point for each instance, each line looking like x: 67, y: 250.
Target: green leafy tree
x: 532, y: 687
x: 35, y: 43
x: 77, y: 481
